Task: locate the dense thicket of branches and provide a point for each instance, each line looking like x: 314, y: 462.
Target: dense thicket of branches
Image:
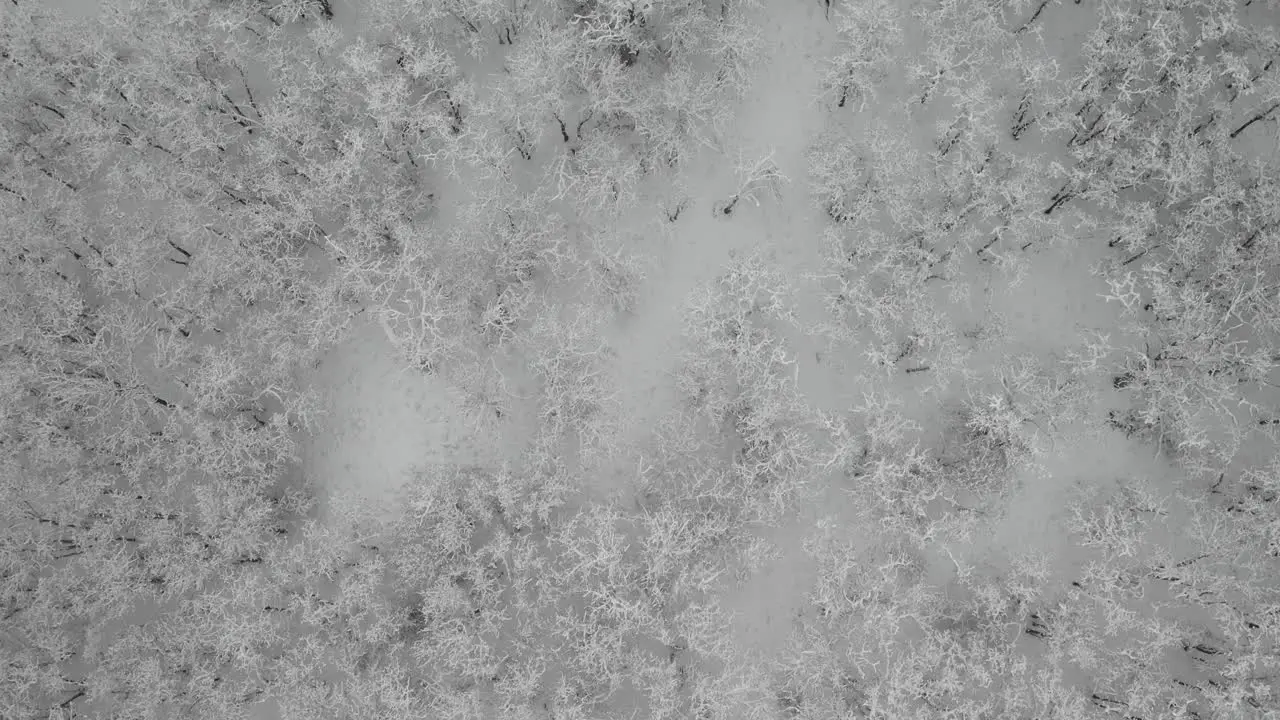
x: 199, y: 199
